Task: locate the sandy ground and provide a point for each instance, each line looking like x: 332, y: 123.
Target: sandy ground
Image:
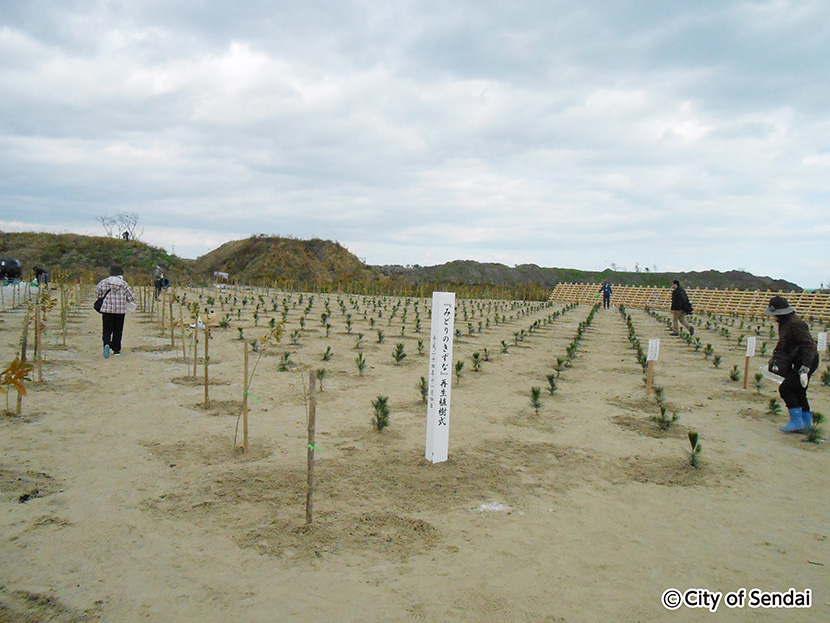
x: 122, y: 498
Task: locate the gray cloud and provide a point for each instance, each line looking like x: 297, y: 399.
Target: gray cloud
x: 575, y: 133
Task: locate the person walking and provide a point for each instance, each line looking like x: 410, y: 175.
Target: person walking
x: 158, y: 280
x: 606, y: 291
x: 796, y: 359
x: 680, y: 306
x: 118, y: 299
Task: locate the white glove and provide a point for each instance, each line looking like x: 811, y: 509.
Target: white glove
x: 802, y: 375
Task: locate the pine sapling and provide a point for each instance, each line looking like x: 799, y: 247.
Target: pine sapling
x: 774, y: 407
x: 476, y: 362
x: 536, y: 398
x: 694, y: 455
x: 398, y: 354
x: 361, y: 363
x: 664, y: 420
x: 321, y: 375
x: 551, y: 383
x: 459, y: 367
x: 759, y: 382
x: 735, y: 374
x: 380, y: 417
x: 423, y: 389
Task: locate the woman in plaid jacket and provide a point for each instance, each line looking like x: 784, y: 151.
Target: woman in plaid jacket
x: 119, y: 299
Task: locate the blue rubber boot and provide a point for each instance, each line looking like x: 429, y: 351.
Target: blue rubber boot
x: 806, y: 421
x: 795, y: 425
x: 106, y: 351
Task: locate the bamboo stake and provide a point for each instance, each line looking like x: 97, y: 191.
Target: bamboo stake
x: 312, y: 430
x: 38, y: 343
x: 649, y: 377
x: 172, y: 326
x: 163, y: 310
x: 207, y: 360
x: 195, y: 343
x: 245, y: 386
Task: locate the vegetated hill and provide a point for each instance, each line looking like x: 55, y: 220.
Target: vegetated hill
x: 72, y: 256
x: 268, y: 260
x: 272, y: 259
x: 469, y: 272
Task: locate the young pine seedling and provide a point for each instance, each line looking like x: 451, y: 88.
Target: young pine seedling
x: 551, y: 383
x: 734, y: 373
x: 328, y: 354
x: 759, y: 382
x: 380, y: 417
x: 420, y: 347
x: 504, y: 347
x: 398, y: 354
x: 459, y: 367
x: 664, y: 420
x: 361, y: 363
x: 708, y: 351
x: 476, y: 362
x: 536, y: 398
x: 694, y: 455
x: 321, y: 375
x: 774, y: 407
x: 423, y: 389
x: 815, y: 434
x: 716, y: 361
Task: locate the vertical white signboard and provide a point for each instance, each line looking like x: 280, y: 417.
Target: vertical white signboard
x: 822, y: 342
x: 653, y: 350
x: 750, y: 346
x: 440, y: 376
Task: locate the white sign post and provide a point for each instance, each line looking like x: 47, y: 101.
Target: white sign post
x: 440, y: 376
x: 653, y: 353
x: 750, y: 353
x: 822, y: 342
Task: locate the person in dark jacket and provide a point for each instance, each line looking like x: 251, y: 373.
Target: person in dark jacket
x: 606, y: 291
x: 680, y: 306
x: 796, y: 359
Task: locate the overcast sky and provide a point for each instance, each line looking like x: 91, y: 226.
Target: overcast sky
x: 579, y: 133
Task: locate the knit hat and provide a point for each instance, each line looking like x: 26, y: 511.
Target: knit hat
x: 779, y: 306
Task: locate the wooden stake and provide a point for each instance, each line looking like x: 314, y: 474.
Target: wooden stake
x: 38, y: 325
x: 245, y: 387
x: 312, y: 430
x: 649, y: 378
x: 207, y: 361
x: 195, y: 345
x: 172, y: 326
x: 746, y: 372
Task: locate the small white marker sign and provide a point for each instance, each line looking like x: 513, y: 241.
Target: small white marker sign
x: 440, y: 377
x: 653, y: 349
x: 822, y: 342
x: 750, y: 346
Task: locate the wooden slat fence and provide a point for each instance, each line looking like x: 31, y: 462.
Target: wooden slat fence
x: 808, y: 305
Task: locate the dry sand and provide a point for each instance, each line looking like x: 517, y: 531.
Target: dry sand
x: 123, y: 499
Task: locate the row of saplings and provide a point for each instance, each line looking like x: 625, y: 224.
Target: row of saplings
x: 664, y: 420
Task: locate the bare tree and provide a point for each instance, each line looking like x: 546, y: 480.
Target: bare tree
x: 128, y: 225
x: 108, y: 224
x: 122, y: 225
